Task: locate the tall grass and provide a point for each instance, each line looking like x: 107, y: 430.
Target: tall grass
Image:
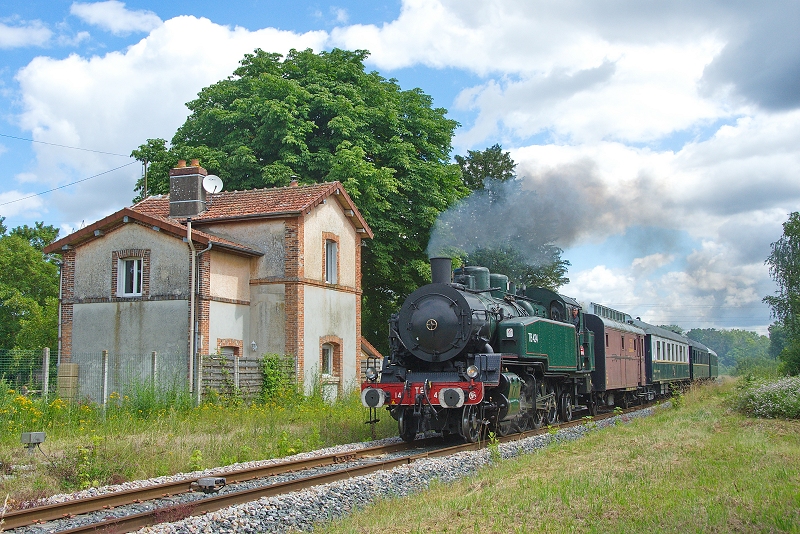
x: 154, y: 432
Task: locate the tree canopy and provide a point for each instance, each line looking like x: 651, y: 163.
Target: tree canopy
x: 492, y: 163
x: 784, y: 267
x: 28, y: 288
x: 322, y: 117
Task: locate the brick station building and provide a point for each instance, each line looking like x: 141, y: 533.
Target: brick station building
x: 241, y: 273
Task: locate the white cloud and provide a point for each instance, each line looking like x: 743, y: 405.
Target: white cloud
x: 32, y: 33
x: 115, y: 102
x: 13, y: 203
x: 340, y: 15
x: 73, y: 40
x: 112, y: 16
x: 651, y: 263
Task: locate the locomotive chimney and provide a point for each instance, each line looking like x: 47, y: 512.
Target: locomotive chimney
x: 441, y: 270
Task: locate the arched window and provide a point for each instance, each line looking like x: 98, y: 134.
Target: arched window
x: 326, y: 366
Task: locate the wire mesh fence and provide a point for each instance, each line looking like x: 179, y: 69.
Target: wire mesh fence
x: 103, y: 376
x: 29, y: 371
x: 99, y: 376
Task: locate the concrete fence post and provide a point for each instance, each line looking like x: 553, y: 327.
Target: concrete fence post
x: 104, y: 387
x: 45, y: 372
x: 236, y: 371
x: 199, y: 381
x: 154, y: 368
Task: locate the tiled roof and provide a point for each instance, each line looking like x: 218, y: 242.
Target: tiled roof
x: 228, y: 205
x: 256, y: 203
x: 170, y: 226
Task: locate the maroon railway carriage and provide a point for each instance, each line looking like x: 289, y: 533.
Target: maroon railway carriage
x: 619, y: 376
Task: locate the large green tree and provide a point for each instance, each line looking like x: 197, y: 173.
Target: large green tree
x: 784, y: 267
x: 28, y: 288
x: 322, y: 117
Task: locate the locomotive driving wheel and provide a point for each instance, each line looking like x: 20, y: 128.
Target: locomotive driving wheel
x: 532, y: 418
x: 471, y: 424
x: 407, y: 425
x: 565, y: 408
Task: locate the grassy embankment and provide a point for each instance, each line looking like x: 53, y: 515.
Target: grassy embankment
x: 699, y: 467
x: 160, y: 433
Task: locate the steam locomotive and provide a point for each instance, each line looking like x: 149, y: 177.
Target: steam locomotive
x: 471, y: 353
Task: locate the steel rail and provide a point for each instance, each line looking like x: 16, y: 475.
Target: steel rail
x: 40, y: 514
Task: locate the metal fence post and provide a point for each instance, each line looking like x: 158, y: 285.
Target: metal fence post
x: 45, y: 372
x: 104, y: 391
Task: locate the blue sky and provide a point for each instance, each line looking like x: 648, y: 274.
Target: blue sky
x: 662, y: 136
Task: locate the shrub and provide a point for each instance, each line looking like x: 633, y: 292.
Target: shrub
x: 772, y: 399
x: 278, y: 375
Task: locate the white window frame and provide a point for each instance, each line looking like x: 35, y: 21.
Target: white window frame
x: 331, y: 261
x: 327, y: 360
x: 123, y: 276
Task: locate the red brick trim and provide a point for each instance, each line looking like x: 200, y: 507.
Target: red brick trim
x: 336, y: 376
x: 203, y: 302
x: 67, y: 296
x: 304, y: 281
x: 358, y: 304
x: 330, y: 236
x: 117, y: 255
x: 151, y: 298
x: 236, y: 344
x: 294, y: 300
x: 229, y: 301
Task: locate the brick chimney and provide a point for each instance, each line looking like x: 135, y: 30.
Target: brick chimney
x: 187, y: 197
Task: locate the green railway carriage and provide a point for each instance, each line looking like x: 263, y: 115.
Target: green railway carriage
x: 713, y: 364
x: 699, y: 361
x: 666, y: 358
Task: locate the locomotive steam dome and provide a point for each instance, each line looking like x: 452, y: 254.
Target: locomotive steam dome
x: 437, y: 322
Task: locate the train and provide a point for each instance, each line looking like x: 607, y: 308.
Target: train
x: 472, y: 353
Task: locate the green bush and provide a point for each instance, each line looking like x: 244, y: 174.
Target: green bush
x: 278, y: 376
x: 771, y: 399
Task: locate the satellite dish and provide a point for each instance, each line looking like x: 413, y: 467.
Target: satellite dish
x: 212, y: 183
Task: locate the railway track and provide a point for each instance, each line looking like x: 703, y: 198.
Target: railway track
x: 351, y: 463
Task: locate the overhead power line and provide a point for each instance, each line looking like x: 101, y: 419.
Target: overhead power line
x: 65, y: 146
x: 69, y: 184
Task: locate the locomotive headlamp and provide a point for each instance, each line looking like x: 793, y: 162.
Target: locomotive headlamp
x: 472, y: 371
x: 371, y: 373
